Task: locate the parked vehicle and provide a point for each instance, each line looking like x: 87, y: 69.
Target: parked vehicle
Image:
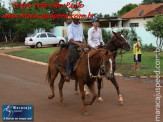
x: 43, y: 38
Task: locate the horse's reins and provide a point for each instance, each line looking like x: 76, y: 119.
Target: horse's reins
x: 102, y: 66
x: 121, y: 43
x: 90, y: 74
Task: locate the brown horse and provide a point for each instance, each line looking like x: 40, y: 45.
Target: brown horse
x: 117, y: 42
x: 88, y: 64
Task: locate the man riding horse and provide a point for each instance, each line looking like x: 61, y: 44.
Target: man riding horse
x: 75, y: 37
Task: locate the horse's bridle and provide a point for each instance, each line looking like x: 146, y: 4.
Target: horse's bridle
x: 102, y: 66
x: 121, y: 43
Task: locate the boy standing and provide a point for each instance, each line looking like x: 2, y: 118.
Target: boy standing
x: 137, y: 54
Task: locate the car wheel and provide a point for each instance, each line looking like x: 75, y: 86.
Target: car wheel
x: 61, y: 42
x: 32, y: 46
x: 38, y: 44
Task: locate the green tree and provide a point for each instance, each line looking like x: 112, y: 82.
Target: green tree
x: 156, y: 28
x: 106, y: 16
x: 24, y: 25
x: 114, y: 14
x: 62, y: 10
x: 98, y: 15
x: 126, y: 9
x: 6, y: 25
x: 76, y: 2
x: 144, y: 2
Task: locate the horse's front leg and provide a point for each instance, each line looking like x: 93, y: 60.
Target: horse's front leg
x: 76, y: 87
x: 99, y: 80
x: 92, y: 89
x: 86, y: 90
x: 120, y: 99
x: 61, y: 83
x: 52, y: 74
x: 81, y: 87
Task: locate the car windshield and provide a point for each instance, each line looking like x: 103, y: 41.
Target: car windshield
x: 33, y: 35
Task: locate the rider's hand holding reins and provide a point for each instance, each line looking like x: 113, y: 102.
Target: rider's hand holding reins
x: 82, y: 45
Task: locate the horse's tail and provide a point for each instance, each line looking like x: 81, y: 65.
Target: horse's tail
x: 48, y: 75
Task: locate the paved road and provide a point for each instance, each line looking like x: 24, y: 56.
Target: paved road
x: 24, y: 83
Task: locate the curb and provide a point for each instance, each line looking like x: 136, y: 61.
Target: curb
x: 147, y: 77
x: 24, y: 59
x: 6, y: 48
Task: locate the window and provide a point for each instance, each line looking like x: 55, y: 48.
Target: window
x: 134, y: 24
x: 141, y: 12
x: 43, y: 35
x: 38, y: 36
x: 33, y: 35
x: 51, y: 35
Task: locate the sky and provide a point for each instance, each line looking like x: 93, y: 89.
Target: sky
x: 99, y: 6
x: 104, y: 6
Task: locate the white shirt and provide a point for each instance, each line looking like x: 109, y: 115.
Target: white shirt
x: 75, y: 32
x: 95, y: 37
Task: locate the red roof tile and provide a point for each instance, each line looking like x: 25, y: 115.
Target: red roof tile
x: 143, y: 11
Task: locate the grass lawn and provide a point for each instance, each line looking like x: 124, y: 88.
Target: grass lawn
x: 38, y: 54
x: 147, y: 64
x: 11, y: 44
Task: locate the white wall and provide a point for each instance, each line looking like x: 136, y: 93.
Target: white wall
x: 141, y: 21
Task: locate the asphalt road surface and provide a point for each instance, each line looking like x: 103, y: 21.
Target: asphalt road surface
x: 23, y: 83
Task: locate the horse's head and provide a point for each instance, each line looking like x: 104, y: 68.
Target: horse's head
x: 120, y: 41
x: 108, y: 64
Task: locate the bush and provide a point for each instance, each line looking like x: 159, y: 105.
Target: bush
x: 85, y: 31
x: 149, y: 47
x: 130, y: 34
x: 106, y: 36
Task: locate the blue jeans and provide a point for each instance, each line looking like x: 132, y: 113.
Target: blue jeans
x: 69, y: 65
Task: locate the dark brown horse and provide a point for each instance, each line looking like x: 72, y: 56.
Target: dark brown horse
x: 90, y: 62
x: 117, y: 42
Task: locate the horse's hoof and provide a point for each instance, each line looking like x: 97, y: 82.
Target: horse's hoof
x: 76, y: 93
x: 86, y: 113
x: 120, y: 100
x: 100, y: 100
x: 62, y: 101
x: 121, y: 103
x: 87, y: 94
x: 51, y: 96
x: 88, y: 103
x: 63, y: 104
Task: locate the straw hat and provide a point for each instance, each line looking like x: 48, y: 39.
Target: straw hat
x: 75, y: 15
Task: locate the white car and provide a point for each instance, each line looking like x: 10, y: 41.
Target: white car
x: 43, y: 38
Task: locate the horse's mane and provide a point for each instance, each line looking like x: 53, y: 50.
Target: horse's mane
x: 64, y: 45
x: 109, y: 44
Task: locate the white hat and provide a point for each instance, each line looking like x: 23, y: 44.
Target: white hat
x: 75, y: 15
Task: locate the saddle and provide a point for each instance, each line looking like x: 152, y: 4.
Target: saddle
x: 73, y: 54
